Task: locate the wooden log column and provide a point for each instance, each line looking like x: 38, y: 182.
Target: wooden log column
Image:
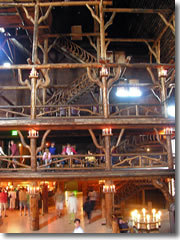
x: 34, y: 212
x: 33, y: 154
x: 45, y: 198
x: 108, y: 152
x: 109, y: 205
x: 169, y: 151
x: 162, y: 75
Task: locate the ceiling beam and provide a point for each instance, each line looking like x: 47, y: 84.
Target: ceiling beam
x: 86, y: 65
x: 138, y: 10
x: 55, y: 4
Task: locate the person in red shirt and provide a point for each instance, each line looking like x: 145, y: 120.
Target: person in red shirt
x: 14, y: 151
x: 68, y: 150
x: 3, y: 202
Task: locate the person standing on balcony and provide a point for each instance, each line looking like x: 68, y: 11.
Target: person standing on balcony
x: 52, y: 150
x: 69, y: 150
x: 1, y: 154
x: 47, y: 157
x: 14, y: 152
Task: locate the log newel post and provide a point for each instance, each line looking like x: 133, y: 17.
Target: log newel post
x: 169, y: 151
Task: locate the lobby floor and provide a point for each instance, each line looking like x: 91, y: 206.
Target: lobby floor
x: 49, y: 223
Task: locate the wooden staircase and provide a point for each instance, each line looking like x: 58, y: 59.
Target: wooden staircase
x: 82, y: 84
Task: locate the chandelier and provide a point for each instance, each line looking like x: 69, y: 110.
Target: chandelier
x: 147, y: 221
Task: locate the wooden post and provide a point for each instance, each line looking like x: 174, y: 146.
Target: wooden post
x: 34, y: 212
x: 105, y: 97
x: 164, y: 95
x: 108, y: 152
x: 35, y: 35
x: 108, y: 202
x: 33, y: 154
x: 169, y: 151
x: 45, y: 61
x: 33, y: 96
x: 45, y: 198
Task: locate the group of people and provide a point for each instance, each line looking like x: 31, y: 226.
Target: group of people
x: 12, y: 199
x: 47, y: 155
x: 72, y: 207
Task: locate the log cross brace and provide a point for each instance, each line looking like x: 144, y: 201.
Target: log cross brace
x: 167, y: 23
x: 108, y: 23
x: 152, y: 51
x: 109, y: 83
x: 95, y: 140
x: 42, y: 18
x: 118, y: 140
x: 164, y: 189
x: 158, y: 138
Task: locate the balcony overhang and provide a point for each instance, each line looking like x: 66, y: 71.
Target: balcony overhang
x: 130, y: 174
x: 84, y: 123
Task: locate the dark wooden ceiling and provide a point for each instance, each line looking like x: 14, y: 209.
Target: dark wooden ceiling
x: 125, y: 25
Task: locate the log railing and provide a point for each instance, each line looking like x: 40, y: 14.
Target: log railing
x: 93, y: 110
x: 8, y: 111
x: 135, y: 110
x: 80, y: 161
x: 71, y: 162
x: 140, y: 160
x: 68, y: 110
x: 21, y: 163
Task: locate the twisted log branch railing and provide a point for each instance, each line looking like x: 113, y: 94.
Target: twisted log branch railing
x: 143, y: 160
x: 18, y: 163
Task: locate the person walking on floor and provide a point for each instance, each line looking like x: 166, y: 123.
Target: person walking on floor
x: 78, y: 228
x: 12, y: 195
x: 3, y: 202
x: 87, y: 208
x: 72, y: 207
x: 59, y: 199
x: 23, y: 200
